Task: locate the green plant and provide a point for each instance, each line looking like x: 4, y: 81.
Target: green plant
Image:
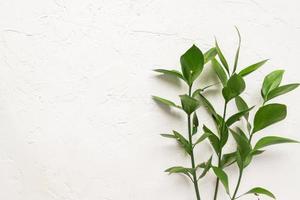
x: 233, y: 85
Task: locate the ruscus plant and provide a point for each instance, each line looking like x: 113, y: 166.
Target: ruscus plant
x: 252, y: 119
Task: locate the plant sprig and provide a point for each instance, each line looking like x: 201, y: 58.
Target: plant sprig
x: 233, y: 85
x: 192, y: 63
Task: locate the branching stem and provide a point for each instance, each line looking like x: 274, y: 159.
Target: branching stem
x: 195, y: 181
x: 220, y: 153
x: 237, y: 185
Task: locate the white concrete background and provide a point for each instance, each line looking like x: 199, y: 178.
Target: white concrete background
x: 77, y: 120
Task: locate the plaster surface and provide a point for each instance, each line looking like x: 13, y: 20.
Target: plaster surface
x: 77, y: 118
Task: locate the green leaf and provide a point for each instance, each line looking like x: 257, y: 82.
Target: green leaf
x: 207, y: 104
x: 209, y: 86
x: 207, y: 165
x: 197, y: 92
x: 168, y: 136
x: 201, y: 90
x: 195, y: 124
x: 184, y: 142
x: 174, y: 73
x: 189, y: 104
x: 236, y: 117
x: 237, y: 51
x: 223, y: 177
x: 268, y: 115
x: 219, y: 71
x: 202, y: 137
x: 248, y: 160
x: 241, y: 105
x: 222, y: 129
x: 242, y: 143
x: 218, y: 122
x: 241, y: 133
x: 222, y: 58
x: 235, y: 86
x: 272, y: 140
x: 177, y: 169
x: 281, y: 90
x: 271, y: 81
x: 223, y: 135
x: 192, y: 62
x: 180, y: 170
x: 239, y: 160
x: 228, y: 159
x: 209, y: 55
x: 259, y: 190
x: 252, y: 68
x: 244, y: 149
x: 249, y: 126
x: 256, y: 152
x: 165, y: 102
x: 214, y: 140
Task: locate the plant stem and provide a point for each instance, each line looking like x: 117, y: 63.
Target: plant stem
x: 220, y: 153
x: 217, y: 185
x: 193, y: 160
x: 190, y: 90
x: 195, y: 181
x: 240, y: 173
x: 238, y: 184
x: 250, y: 139
x: 241, y: 170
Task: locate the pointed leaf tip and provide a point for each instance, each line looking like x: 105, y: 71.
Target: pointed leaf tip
x: 252, y: 68
x: 165, y: 102
x: 271, y: 81
x: 281, y: 90
x: 173, y: 73
x: 222, y: 57
x: 259, y: 190
x: 272, y: 140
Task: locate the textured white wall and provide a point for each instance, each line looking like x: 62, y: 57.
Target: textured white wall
x: 77, y: 120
